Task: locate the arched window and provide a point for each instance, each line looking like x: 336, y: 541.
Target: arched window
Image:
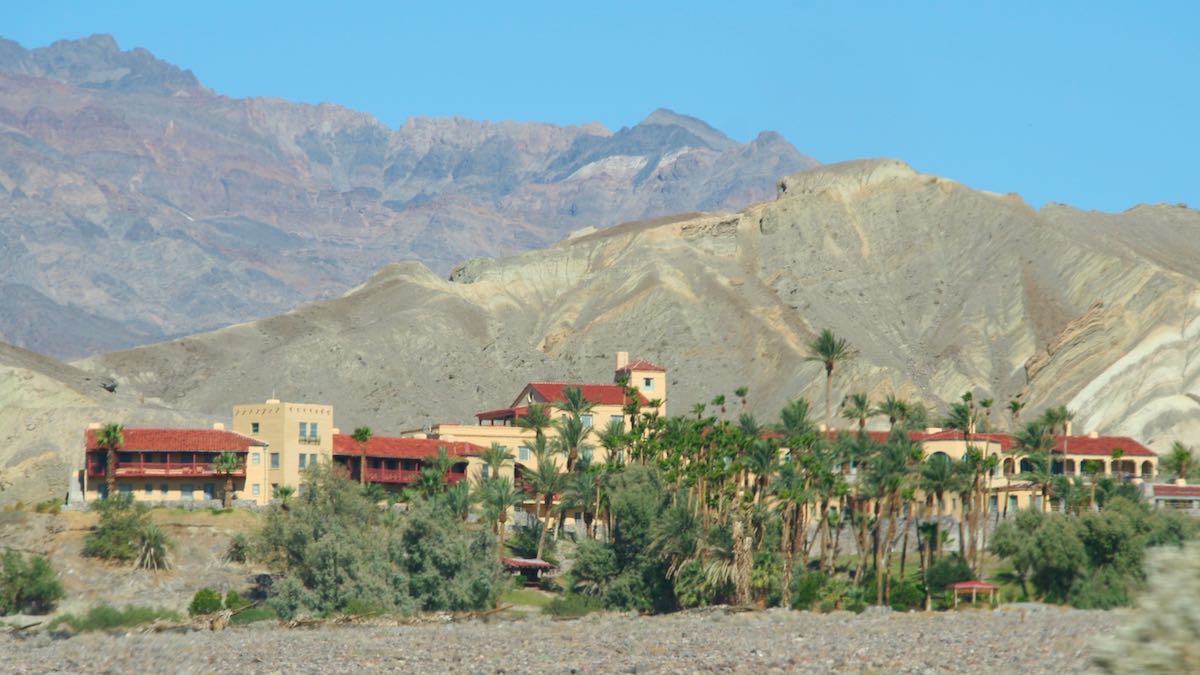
x: 1009, y: 466
x: 1147, y: 469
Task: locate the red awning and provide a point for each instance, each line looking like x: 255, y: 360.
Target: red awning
x: 526, y: 564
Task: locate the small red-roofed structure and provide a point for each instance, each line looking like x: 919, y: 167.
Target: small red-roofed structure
x: 974, y: 587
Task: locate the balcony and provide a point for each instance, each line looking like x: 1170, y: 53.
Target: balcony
x: 310, y: 440
x: 403, y: 476
x: 160, y: 469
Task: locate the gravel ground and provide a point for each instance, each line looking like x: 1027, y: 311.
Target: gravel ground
x: 1045, y: 640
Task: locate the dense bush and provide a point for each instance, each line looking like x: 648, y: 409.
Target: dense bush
x: 947, y: 570
x: 205, y: 601
x: 1092, y: 561
x: 524, y: 542
x: 907, y: 595
x: 806, y: 589
x: 126, y: 534
x: 27, y: 585
x: 573, y: 605
x: 335, y: 552
x: 107, y: 617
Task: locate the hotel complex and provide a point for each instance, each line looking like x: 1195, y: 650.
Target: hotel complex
x: 278, y: 440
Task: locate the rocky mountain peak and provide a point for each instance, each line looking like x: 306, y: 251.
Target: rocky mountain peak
x: 96, y: 62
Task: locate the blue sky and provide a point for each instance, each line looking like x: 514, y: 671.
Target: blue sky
x: 1089, y: 103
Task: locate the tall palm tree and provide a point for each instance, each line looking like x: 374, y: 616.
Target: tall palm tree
x: 545, y: 481
x: 570, y: 440
x: 829, y: 350
x: 858, y: 408
x: 1056, y: 419
x: 741, y: 392
x: 937, y: 477
x: 574, y: 403
x: 497, y: 496
x: 362, y: 436
x: 1036, y: 444
x: 895, y: 409
x: 227, y: 464
x: 614, y: 440
x: 494, y: 458
x: 1180, y: 461
x: 986, y: 404
x: 1014, y: 411
x: 537, y: 419
x: 110, y: 437
x: 794, y: 421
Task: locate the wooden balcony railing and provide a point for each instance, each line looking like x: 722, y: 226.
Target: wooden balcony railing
x: 96, y: 469
x: 403, y: 475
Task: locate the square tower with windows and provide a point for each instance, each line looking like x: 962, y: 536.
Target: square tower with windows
x: 649, y: 379
x: 298, y: 435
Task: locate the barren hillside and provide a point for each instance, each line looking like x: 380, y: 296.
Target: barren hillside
x: 941, y: 288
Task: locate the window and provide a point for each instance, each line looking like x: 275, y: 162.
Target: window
x: 185, y: 492
x: 163, y: 489
x: 486, y: 469
x: 587, y: 421
x: 255, y: 490
x: 274, y: 460
x: 210, y: 492
x: 648, y: 383
x: 313, y: 433
x: 617, y: 419
x: 148, y: 489
x: 312, y: 459
x: 125, y: 489
x: 254, y: 458
x: 254, y: 427
x: 303, y: 430
x: 303, y: 460
x: 523, y: 454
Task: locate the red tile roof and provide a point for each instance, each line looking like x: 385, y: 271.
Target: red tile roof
x: 403, y: 448
x: 503, y: 413
x: 641, y: 364
x: 1101, y: 446
x: 1176, y: 490
x: 526, y: 563
x: 178, y: 440
x: 600, y: 394
x: 973, y: 585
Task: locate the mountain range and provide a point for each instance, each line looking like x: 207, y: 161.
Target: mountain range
x: 136, y: 204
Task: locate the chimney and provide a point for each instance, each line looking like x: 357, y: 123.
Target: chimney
x: 94, y: 426
x: 1092, y: 434
x: 337, y: 431
x: 1067, y: 428
x: 622, y: 359
x: 272, y: 401
x: 218, y: 426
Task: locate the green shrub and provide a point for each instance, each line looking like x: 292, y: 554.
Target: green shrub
x: 573, y: 605
x: 234, y: 601
x: 126, y: 534
x: 205, y: 601
x: 107, y: 617
x: 906, y: 595
x: 27, y: 585
x: 337, y: 553
x: 947, y: 570
x: 524, y: 542
x: 239, y: 548
x: 49, y: 506
x: 806, y: 589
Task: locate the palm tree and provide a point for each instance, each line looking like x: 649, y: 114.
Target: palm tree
x: 110, y: 437
x: 1056, y: 419
x: 227, y: 464
x: 1014, y: 411
x: 545, y: 481
x: 857, y: 407
x: 497, y: 496
x: 570, y: 441
x: 698, y: 410
x: 829, y: 350
x: 986, y: 404
x: 362, y: 436
x: 937, y: 478
x: 741, y: 392
x: 574, y: 402
x: 1180, y: 461
x: 794, y: 421
x: 1036, y: 444
x: 896, y: 410
x: 719, y: 402
x: 613, y: 439
x: 536, y: 418
x: 494, y: 458
x: 283, y: 493
x: 373, y: 492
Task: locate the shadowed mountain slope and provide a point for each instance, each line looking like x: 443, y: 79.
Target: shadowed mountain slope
x: 128, y: 191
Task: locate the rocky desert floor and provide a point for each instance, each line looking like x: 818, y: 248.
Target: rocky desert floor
x: 714, y: 640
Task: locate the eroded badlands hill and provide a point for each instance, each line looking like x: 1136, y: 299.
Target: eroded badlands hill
x: 941, y: 288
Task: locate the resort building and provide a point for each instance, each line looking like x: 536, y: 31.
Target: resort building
x: 171, y: 465
x: 397, y: 462
x: 298, y: 435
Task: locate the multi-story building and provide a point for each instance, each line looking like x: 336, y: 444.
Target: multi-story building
x: 171, y: 465
x: 297, y: 435
x: 396, y: 462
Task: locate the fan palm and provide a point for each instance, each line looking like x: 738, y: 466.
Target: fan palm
x: 227, y: 464
x: 362, y: 436
x: 111, y: 437
x: 1180, y: 461
x: 829, y: 350
x: 895, y: 409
